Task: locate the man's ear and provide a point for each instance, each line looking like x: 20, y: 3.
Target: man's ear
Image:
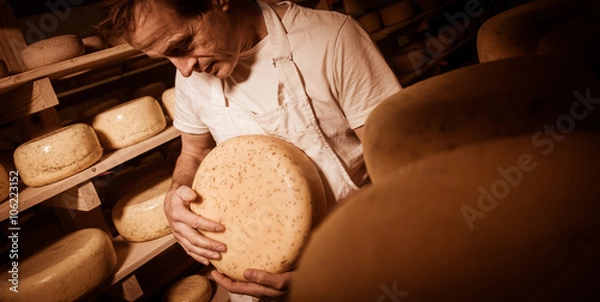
x: 222, y: 4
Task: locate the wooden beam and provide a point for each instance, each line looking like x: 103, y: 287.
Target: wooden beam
x: 11, y: 40
x: 31, y: 98
x: 81, y: 198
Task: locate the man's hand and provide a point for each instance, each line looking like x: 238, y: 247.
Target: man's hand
x: 260, y: 283
x: 185, y: 225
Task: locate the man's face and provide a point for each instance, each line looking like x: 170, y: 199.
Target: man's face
x: 209, y: 43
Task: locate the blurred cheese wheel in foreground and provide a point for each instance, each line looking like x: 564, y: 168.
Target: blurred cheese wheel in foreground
x: 396, y: 12
x: 52, y: 50
x: 475, y: 103
x: 57, y: 155
x: 267, y: 193
x: 129, y: 123
x: 168, y: 101
x: 4, y: 183
x: 139, y: 216
x: 194, y: 288
x: 66, y: 270
x: 502, y: 220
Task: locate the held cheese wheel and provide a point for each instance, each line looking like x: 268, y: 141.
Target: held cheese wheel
x: 168, y: 101
x: 139, y: 215
x: 66, y: 270
x: 57, y: 155
x: 4, y: 183
x: 129, y: 123
x: 267, y: 193
x: 502, y: 220
x: 479, y: 102
x: 52, y: 50
x: 194, y: 288
x: 397, y: 12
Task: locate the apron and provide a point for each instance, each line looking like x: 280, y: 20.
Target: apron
x: 293, y: 120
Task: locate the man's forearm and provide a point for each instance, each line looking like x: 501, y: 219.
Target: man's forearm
x: 185, y: 170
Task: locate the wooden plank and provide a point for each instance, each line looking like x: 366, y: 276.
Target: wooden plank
x: 30, y: 197
x: 82, y: 197
x: 11, y: 40
x: 29, y: 98
x: 58, y: 70
x: 129, y: 289
x: 132, y: 255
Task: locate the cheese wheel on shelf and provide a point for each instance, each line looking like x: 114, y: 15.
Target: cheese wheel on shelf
x: 154, y: 90
x: 4, y: 183
x: 475, y: 103
x: 129, y: 123
x: 460, y: 225
x: 168, y: 101
x: 139, y: 215
x: 57, y: 155
x: 52, y: 50
x: 370, y: 21
x: 267, y: 193
x: 93, y: 44
x: 66, y: 270
x: 397, y: 12
x: 194, y: 288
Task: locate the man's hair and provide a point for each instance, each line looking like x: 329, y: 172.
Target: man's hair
x: 119, y: 15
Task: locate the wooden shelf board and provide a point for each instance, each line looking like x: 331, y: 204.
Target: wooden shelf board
x: 57, y: 70
x: 383, y: 33
x: 132, y: 255
x: 29, y: 197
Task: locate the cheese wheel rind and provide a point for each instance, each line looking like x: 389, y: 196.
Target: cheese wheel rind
x: 129, y: 123
x: 194, y: 288
x: 57, y: 155
x: 52, y: 50
x: 168, y: 101
x: 459, y: 225
x: 66, y: 270
x: 267, y: 193
x: 139, y: 216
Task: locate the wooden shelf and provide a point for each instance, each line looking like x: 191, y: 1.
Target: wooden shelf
x: 55, y: 71
x: 29, y: 197
x: 132, y: 255
x: 383, y: 33
x: 407, y: 79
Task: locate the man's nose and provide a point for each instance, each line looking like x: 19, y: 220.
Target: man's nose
x: 185, y: 65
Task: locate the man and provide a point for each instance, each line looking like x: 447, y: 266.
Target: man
x: 245, y: 67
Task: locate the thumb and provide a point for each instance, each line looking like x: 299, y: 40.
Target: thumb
x: 186, y: 193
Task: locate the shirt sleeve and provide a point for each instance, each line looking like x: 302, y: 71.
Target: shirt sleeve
x: 362, y: 76
x: 187, y: 118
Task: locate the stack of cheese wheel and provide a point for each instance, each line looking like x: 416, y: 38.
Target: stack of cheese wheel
x: 93, y: 43
x: 397, y: 12
x: 129, y: 123
x: 57, y: 155
x: 267, y: 193
x: 168, y: 101
x: 52, y: 50
x: 3, y: 69
x: 496, y: 221
x: 66, y: 270
x: 194, y: 288
x: 559, y: 27
x: 139, y: 216
x: 4, y: 183
x: 479, y: 102
x: 370, y: 21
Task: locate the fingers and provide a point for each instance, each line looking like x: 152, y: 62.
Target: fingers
x: 276, y: 281
x: 185, y: 225
x: 247, y: 288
